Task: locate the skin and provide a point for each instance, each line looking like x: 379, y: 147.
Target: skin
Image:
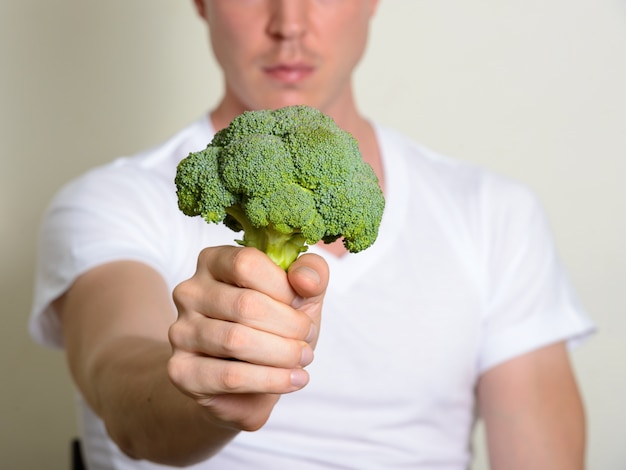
x: 168, y: 390
x: 533, y: 412
x: 276, y: 53
x: 299, y: 53
x: 116, y: 319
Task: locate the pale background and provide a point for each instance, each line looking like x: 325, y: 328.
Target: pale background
x: 531, y: 88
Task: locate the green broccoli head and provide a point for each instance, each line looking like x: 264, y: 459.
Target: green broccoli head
x: 288, y: 178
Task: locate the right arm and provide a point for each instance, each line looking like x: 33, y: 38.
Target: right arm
x: 116, y: 320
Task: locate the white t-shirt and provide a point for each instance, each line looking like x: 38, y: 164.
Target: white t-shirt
x: 463, y: 276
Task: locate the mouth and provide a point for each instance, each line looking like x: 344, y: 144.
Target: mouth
x: 289, y: 73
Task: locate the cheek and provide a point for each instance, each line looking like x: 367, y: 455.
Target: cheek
x: 230, y: 55
x: 345, y: 28
x: 232, y: 40
x: 347, y: 44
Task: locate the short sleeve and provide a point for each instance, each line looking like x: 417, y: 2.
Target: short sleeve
x: 529, y: 301
x: 109, y: 214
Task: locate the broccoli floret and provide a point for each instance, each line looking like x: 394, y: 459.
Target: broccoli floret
x: 288, y: 178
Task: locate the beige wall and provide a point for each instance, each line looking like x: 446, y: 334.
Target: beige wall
x: 533, y: 89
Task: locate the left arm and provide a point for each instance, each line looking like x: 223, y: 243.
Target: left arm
x: 533, y: 412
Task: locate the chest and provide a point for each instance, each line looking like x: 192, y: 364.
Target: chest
x: 403, y: 320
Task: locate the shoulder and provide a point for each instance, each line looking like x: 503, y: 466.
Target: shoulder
x: 148, y: 175
x: 127, y: 205
x: 450, y: 183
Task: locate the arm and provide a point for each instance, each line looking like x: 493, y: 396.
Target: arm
x: 116, y: 320
x: 533, y: 412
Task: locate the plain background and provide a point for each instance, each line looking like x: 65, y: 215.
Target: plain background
x: 533, y: 89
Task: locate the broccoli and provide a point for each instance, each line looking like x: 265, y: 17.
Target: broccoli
x: 288, y: 178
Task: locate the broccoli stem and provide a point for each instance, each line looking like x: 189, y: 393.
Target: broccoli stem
x: 282, y: 248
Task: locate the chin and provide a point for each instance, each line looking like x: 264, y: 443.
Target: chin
x: 288, y: 98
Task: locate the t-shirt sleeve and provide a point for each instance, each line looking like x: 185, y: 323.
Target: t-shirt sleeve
x: 109, y: 214
x: 529, y: 301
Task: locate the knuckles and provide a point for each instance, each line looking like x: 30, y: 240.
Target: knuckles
x: 246, y: 260
x: 234, y: 340
x: 175, y: 334
x: 247, y: 306
x: 183, y: 294
x: 232, y: 378
x: 177, y: 372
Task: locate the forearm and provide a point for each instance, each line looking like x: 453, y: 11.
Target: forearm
x: 115, y: 321
x: 181, y: 402
x: 144, y: 413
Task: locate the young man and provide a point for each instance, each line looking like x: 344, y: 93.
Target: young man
x: 460, y: 304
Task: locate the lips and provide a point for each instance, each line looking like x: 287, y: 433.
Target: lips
x: 289, y: 73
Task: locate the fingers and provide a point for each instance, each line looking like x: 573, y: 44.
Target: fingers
x: 231, y: 340
x: 308, y: 276
x: 233, y: 394
x: 249, y: 268
x: 209, y: 298
x: 203, y: 377
x: 240, y: 305
x: 227, y: 409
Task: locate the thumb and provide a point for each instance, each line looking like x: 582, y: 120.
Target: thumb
x: 308, y: 276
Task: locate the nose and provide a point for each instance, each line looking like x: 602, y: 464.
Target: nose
x: 288, y: 18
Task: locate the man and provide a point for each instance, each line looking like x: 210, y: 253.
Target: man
x: 460, y: 304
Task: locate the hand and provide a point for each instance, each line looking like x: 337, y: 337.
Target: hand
x: 244, y: 333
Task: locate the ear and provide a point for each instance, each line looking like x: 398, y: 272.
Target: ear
x: 200, y: 8
x: 373, y: 7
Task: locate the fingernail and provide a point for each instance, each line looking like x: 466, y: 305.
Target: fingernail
x: 309, y: 273
x: 299, y: 378
x: 307, y: 356
x: 312, y: 333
